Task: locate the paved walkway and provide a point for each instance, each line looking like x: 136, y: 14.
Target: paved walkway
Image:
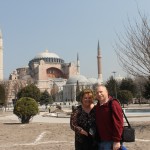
x: 37, y: 118
x: 45, y: 117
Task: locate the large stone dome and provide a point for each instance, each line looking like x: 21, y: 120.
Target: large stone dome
x: 47, y: 57
x: 92, y: 80
x: 80, y: 78
x: 46, y: 54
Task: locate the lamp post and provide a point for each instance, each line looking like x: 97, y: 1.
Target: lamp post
x: 114, y: 72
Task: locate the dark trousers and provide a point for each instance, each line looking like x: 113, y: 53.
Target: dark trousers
x: 87, y: 144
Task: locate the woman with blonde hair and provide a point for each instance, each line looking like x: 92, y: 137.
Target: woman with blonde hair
x: 82, y: 122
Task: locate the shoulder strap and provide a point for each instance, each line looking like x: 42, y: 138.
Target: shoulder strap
x: 122, y: 110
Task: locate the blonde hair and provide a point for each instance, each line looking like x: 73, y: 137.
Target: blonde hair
x: 86, y: 91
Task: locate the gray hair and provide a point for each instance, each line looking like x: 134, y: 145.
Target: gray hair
x: 101, y: 85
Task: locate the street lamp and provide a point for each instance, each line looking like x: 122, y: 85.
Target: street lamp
x: 114, y: 72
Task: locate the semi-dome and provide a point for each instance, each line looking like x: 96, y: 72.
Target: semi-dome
x: 80, y: 78
x: 92, y: 80
x: 46, y: 54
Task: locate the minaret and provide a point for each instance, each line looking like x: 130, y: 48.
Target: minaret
x: 1, y: 56
x: 78, y: 64
x: 99, y: 64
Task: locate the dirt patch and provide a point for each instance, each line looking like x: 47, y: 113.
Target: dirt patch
x: 142, y: 133
x: 52, y: 136
x: 36, y: 136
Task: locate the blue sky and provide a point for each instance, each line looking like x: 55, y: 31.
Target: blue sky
x: 66, y: 27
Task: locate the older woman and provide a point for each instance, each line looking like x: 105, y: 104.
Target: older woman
x: 82, y: 121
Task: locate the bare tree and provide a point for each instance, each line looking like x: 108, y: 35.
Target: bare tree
x: 12, y: 87
x: 140, y: 83
x: 17, y: 85
x: 133, y: 48
x: 6, y: 93
x: 54, y: 91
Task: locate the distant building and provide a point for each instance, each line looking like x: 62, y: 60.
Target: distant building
x: 46, y: 69
x: 77, y: 81
x: 50, y: 72
x: 119, y: 78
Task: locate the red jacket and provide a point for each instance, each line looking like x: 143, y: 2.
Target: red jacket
x: 109, y: 121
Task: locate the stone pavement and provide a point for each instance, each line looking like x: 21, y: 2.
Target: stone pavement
x: 46, y: 117
x: 38, y: 118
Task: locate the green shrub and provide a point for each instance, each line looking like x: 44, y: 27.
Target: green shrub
x: 25, y: 108
x: 30, y: 91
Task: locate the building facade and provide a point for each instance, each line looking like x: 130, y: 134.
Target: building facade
x: 47, y: 70
x: 50, y: 72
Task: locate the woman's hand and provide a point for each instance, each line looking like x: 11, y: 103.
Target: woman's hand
x: 83, y: 132
x: 116, y: 145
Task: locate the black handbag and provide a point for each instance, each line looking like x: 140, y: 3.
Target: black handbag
x: 128, y: 134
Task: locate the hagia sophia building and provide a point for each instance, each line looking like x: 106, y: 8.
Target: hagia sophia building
x: 50, y: 72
